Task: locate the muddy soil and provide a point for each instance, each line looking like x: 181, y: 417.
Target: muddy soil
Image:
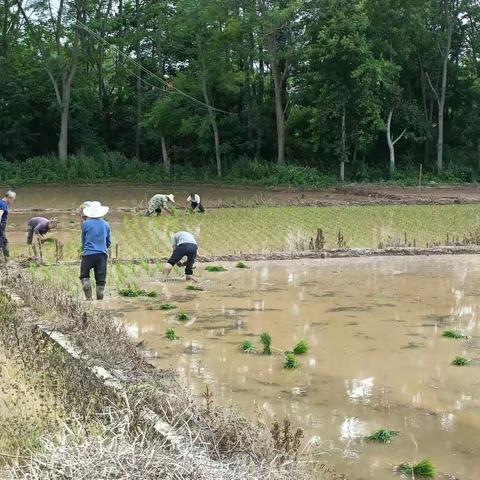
x: 377, y: 357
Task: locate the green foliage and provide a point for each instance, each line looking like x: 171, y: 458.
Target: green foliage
x: 182, y: 317
x: 383, y: 436
x: 133, y: 292
x: 248, y: 347
x: 453, y: 334
x: 171, y: 334
x: 266, y: 341
x: 241, y: 265
x: 215, y: 268
x: 301, y: 348
x: 194, y: 288
x: 291, y: 361
x: 167, y: 306
x: 460, y: 361
x: 424, y: 469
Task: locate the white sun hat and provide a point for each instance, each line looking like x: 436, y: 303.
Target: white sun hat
x: 171, y: 197
x: 95, y: 211
x: 89, y: 203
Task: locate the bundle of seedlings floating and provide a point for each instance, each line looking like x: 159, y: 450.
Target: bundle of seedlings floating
x: 135, y: 292
x: 194, y: 288
x: 248, y: 347
x: 241, y: 265
x: 460, y: 361
x: 383, y: 436
x: 301, y: 348
x: 167, y: 306
x: 423, y: 469
x: 266, y: 341
x: 182, y: 317
x: 215, y: 268
x: 171, y: 334
x: 291, y: 361
x: 454, y: 334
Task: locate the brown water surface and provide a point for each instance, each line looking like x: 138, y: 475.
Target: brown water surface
x: 377, y: 358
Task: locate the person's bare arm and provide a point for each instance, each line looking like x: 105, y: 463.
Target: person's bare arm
x: 1, y: 214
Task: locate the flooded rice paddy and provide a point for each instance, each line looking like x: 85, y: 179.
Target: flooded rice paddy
x: 377, y: 357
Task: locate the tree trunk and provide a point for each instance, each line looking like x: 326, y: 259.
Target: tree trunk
x: 391, y: 146
x: 478, y: 154
x: 166, y: 158
x: 138, y: 119
x: 343, y: 152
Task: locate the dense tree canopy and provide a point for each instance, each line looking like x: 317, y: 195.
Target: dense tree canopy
x: 346, y: 86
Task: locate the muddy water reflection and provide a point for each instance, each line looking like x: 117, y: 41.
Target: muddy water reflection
x: 376, y: 360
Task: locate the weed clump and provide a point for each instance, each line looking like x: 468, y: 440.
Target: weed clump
x: 423, y: 469
x: 291, y: 361
x: 301, y: 348
x: 194, y: 288
x: 215, y: 268
x: 135, y: 292
x: 171, y: 334
x: 266, y: 341
x: 459, y: 361
x: 248, y: 347
x: 453, y: 334
x: 383, y: 436
x: 167, y: 306
x: 182, y: 317
x: 241, y: 265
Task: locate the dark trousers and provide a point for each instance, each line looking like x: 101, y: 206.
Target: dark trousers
x: 188, y: 250
x: 197, y: 206
x: 3, y: 240
x: 98, y: 262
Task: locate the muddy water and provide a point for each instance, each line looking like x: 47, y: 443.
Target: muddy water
x: 377, y: 358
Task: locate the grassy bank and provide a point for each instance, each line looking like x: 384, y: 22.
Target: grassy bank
x: 263, y: 230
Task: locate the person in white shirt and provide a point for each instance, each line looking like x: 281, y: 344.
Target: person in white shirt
x: 195, y: 203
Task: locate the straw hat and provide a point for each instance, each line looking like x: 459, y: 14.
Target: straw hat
x: 95, y: 211
x: 171, y: 197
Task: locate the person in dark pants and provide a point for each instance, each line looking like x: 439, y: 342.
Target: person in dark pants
x: 5, y: 204
x: 195, y: 203
x: 96, y: 241
x: 39, y: 226
x: 184, y: 245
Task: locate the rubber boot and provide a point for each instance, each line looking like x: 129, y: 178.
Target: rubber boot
x: 87, y: 288
x: 100, y: 291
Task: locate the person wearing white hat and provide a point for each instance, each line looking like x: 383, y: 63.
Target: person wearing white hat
x: 159, y: 203
x: 5, y: 204
x: 96, y: 241
x: 84, y: 205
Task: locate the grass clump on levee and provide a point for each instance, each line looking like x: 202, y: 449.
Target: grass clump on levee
x: 291, y: 361
x: 248, y: 347
x: 215, y: 268
x: 266, y: 341
x: 182, y: 317
x: 194, y: 288
x: 301, y: 348
x: 171, y: 334
x: 383, y: 436
x: 459, y: 361
x: 453, y: 334
x: 423, y: 469
x: 135, y: 292
x: 241, y: 265
x: 167, y: 306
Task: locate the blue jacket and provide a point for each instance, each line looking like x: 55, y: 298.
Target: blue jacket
x: 95, y: 236
x: 4, y: 207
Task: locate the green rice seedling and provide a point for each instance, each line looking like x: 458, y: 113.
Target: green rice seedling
x: 194, y: 288
x: 266, y: 341
x: 453, y: 334
x: 182, y: 317
x: 134, y: 292
x: 301, y: 348
x: 291, y: 361
x: 460, y: 361
x: 241, y: 265
x: 167, y: 306
x: 171, y: 334
x: 423, y: 469
x: 248, y: 347
x: 383, y: 436
x: 215, y: 268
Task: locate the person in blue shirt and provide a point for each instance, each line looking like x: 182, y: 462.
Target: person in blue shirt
x: 96, y: 241
x: 5, y: 204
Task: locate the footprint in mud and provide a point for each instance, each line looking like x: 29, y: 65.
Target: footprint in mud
x: 412, y: 345
x: 352, y: 324
x: 349, y: 309
x: 193, y: 348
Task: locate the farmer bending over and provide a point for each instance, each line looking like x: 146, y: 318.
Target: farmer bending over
x: 159, y: 203
x: 195, y: 203
x: 39, y: 226
x: 95, y: 243
x: 184, y: 244
x: 5, y: 204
